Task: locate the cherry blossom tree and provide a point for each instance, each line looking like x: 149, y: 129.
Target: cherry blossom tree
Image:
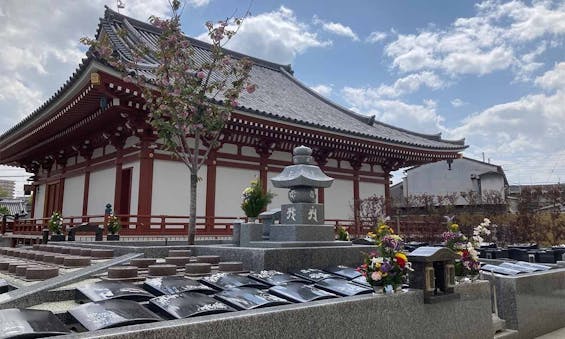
x: 190, y: 100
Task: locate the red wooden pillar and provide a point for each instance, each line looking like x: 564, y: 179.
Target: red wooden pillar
x: 320, y: 195
x: 356, y: 203
x: 210, y: 191
x: 33, y: 199
x: 145, y: 184
x: 85, y: 192
x: 388, y: 204
x: 118, y: 190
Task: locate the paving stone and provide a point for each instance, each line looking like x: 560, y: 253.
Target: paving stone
x: 60, y: 259
x: 159, y: 270
x: 75, y: 251
x: 21, y: 270
x: 230, y: 266
x: 57, y: 249
x: 211, y: 259
x: 13, y: 265
x: 143, y: 262
x: 178, y: 261
x: 38, y: 256
x: 76, y: 261
x: 66, y: 250
x: 10, y: 252
x: 180, y: 253
x: 122, y: 272
x: 41, y: 272
x: 101, y: 254
x: 37, y: 247
x: 30, y: 255
x: 49, y: 257
x: 85, y: 252
x: 198, y: 268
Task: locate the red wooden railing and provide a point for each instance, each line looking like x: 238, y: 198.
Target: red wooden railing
x: 412, y: 228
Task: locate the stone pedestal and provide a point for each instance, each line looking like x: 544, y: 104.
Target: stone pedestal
x: 250, y: 232
x: 302, y: 213
x: 301, y: 233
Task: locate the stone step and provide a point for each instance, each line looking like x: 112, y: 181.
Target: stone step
x: 198, y: 268
x: 210, y: 259
x: 101, y: 254
x: 122, y: 272
x: 143, y: 262
x: 41, y: 272
x: 160, y: 270
x: 76, y: 261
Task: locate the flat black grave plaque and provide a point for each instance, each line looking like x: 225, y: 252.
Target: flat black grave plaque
x: 499, y: 270
x: 300, y: 293
x: 273, y: 278
x: 516, y: 267
x: 188, y: 304
x: 105, y: 290
x: 537, y: 267
x: 16, y: 323
x: 223, y: 281
x: 4, y: 286
x: 248, y: 298
x: 314, y: 274
x: 343, y: 287
x: 112, y: 313
x: 361, y: 280
x: 175, y: 284
x: 343, y: 271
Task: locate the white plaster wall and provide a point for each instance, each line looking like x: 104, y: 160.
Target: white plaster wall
x: 171, y: 189
x: 338, y: 200
x: 97, y: 152
x: 492, y: 182
x: 368, y: 189
x: 101, y: 190
x: 249, y: 151
x: 230, y: 183
x: 39, y: 201
x: 134, y: 185
x: 110, y: 149
x: 283, y: 156
x: 73, y: 196
x: 130, y: 141
x: 229, y: 148
x: 332, y: 163
x: 281, y: 196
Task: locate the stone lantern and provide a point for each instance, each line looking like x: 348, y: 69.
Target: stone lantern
x: 434, y: 272
x: 303, y: 219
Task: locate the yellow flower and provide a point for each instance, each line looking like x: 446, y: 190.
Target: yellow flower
x: 401, y: 256
x: 454, y: 227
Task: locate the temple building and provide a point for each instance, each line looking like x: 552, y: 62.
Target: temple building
x: 91, y: 144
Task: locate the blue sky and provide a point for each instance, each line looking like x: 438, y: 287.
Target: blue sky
x: 492, y: 72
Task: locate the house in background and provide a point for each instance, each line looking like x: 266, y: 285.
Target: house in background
x: 459, y: 182
x: 8, y: 187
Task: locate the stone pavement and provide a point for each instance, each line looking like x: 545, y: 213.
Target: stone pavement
x: 559, y: 334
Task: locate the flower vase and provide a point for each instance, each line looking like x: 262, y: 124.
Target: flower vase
x: 251, y: 220
x: 474, y: 277
x: 387, y: 289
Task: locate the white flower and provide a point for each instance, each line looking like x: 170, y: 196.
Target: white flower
x: 376, y: 260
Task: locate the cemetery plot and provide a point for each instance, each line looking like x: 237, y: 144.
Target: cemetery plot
x: 537, y: 267
x: 342, y: 287
x: 516, y: 267
x: 105, y: 290
x: 175, y: 284
x: 112, y: 313
x: 343, y: 271
x: 188, y: 304
x: 300, y: 293
x: 223, y: 281
x: 499, y: 270
x: 16, y: 323
x: 273, y: 278
x: 314, y: 274
x: 247, y: 298
x: 4, y: 286
x: 361, y: 280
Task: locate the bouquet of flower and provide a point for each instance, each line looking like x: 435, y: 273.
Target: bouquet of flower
x: 114, y: 225
x: 254, y: 200
x: 342, y: 234
x: 455, y: 240
x: 56, y: 223
x: 388, y: 265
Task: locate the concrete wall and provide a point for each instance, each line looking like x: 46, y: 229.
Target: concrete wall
x: 73, y: 196
x: 101, y: 190
x: 403, y: 315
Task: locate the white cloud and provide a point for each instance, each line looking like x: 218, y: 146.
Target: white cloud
x: 409, y: 84
x: 276, y: 36
x: 495, y: 39
x: 198, y: 3
x: 458, y: 102
x: 553, y: 79
x: 336, y: 28
x: 375, y: 37
x: 323, y: 90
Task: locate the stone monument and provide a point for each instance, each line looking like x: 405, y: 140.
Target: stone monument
x: 303, y: 219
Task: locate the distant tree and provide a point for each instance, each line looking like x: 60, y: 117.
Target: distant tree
x: 4, y: 193
x: 4, y: 210
x: 190, y: 101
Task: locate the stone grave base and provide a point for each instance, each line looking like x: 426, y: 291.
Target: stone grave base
x: 302, y: 233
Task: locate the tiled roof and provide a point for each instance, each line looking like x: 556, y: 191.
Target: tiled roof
x: 279, y: 94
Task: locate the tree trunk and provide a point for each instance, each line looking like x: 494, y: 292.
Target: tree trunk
x: 192, y: 223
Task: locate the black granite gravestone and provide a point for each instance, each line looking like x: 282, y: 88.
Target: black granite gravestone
x: 189, y: 304
x: 112, y: 313
x: 175, y: 284
x: 342, y: 287
x: 17, y: 323
x: 4, y: 286
x: 223, y: 281
x: 499, y: 270
x: 314, y: 274
x: 105, y: 290
x: 300, y: 293
x: 343, y: 271
x: 272, y: 278
x: 361, y: 280
x: 247, y: 298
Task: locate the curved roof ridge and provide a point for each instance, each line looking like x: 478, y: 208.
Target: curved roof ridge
x: 369, y: 120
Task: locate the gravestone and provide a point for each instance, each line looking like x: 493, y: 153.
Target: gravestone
x: 300, y: 293
x: 112, y: 313
x: 273, y: 278
x: 223, y: 281
x: 105, y: 290
x: 174, y: 285
x: 499, y: 270
x: 313, y: 274
x: 19, y: 323
x: 516, y: 267
x: 342, y: 287
x: 188, y: 304
x: 343, y: 271
x: 248, y: 298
